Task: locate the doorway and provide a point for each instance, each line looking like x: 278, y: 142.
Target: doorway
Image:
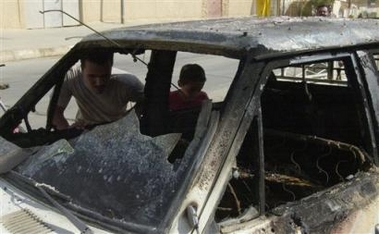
x: 34, y: 19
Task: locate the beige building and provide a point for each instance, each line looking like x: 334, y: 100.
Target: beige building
x: 26, y: 13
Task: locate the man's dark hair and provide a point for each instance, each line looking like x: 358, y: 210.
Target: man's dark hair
x: 97, y: 57
x: 192, y: 73
x: 324, y: 5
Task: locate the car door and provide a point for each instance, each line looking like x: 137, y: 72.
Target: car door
x: 311, y: 133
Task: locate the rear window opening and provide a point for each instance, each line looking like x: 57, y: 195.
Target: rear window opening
x: 328, y: 73
x: 315, y: 136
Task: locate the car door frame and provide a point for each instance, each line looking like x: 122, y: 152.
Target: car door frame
x: 254, y: 109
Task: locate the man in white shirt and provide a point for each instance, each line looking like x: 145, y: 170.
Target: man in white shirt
x: 101, y: 96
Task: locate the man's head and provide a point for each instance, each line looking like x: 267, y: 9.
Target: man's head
x: 323, y: 10
x: 97, y: 68
x: 191, y: 79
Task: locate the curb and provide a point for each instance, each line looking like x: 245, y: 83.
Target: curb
x: 14, y: 55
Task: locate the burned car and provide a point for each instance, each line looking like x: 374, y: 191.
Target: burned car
x: 287, y: 142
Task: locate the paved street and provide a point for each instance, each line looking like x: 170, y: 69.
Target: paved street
x: 19, y: 44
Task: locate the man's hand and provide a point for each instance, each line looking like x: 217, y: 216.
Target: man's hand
x: 79, y: 125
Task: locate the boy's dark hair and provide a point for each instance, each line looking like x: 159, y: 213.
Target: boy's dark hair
x: 192, y: 73
x: 97, y: 57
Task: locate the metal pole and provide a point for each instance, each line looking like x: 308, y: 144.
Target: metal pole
x: 122, y: 12
x: 101, y: 11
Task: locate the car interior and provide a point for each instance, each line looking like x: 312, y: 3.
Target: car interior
x: 315, y: 135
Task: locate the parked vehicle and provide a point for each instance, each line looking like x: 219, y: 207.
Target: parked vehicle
x: 291, y: 146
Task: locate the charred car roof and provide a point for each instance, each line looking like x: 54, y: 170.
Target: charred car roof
x: 235, y: 37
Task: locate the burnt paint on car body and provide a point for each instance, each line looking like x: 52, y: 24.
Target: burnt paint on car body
x: 221, y: 131
x: 261, y: 37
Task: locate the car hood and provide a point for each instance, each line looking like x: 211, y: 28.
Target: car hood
x: 112, y: 171
x: 19, y: 208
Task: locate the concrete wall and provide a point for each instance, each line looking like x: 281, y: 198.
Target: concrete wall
x: 13, y: 14
x: 100, y: 10
x: 163, y: 9
x: 10, y: 14
x: 90, y: 10
x: 110, y: 10
x: 235, y: 8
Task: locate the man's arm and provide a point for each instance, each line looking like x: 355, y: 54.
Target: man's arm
x: 59, y: 121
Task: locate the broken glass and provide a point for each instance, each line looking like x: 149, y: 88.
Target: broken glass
x: 112, y: 169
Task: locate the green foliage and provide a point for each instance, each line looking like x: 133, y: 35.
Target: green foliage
x: 316, y: 3
x: 307, y: 9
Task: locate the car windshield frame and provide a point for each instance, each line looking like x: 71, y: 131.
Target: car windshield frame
x: 61, y: 149
x: 42, y: 164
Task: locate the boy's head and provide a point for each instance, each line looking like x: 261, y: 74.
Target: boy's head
x: 191, y: 73
x: 191, y: 79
